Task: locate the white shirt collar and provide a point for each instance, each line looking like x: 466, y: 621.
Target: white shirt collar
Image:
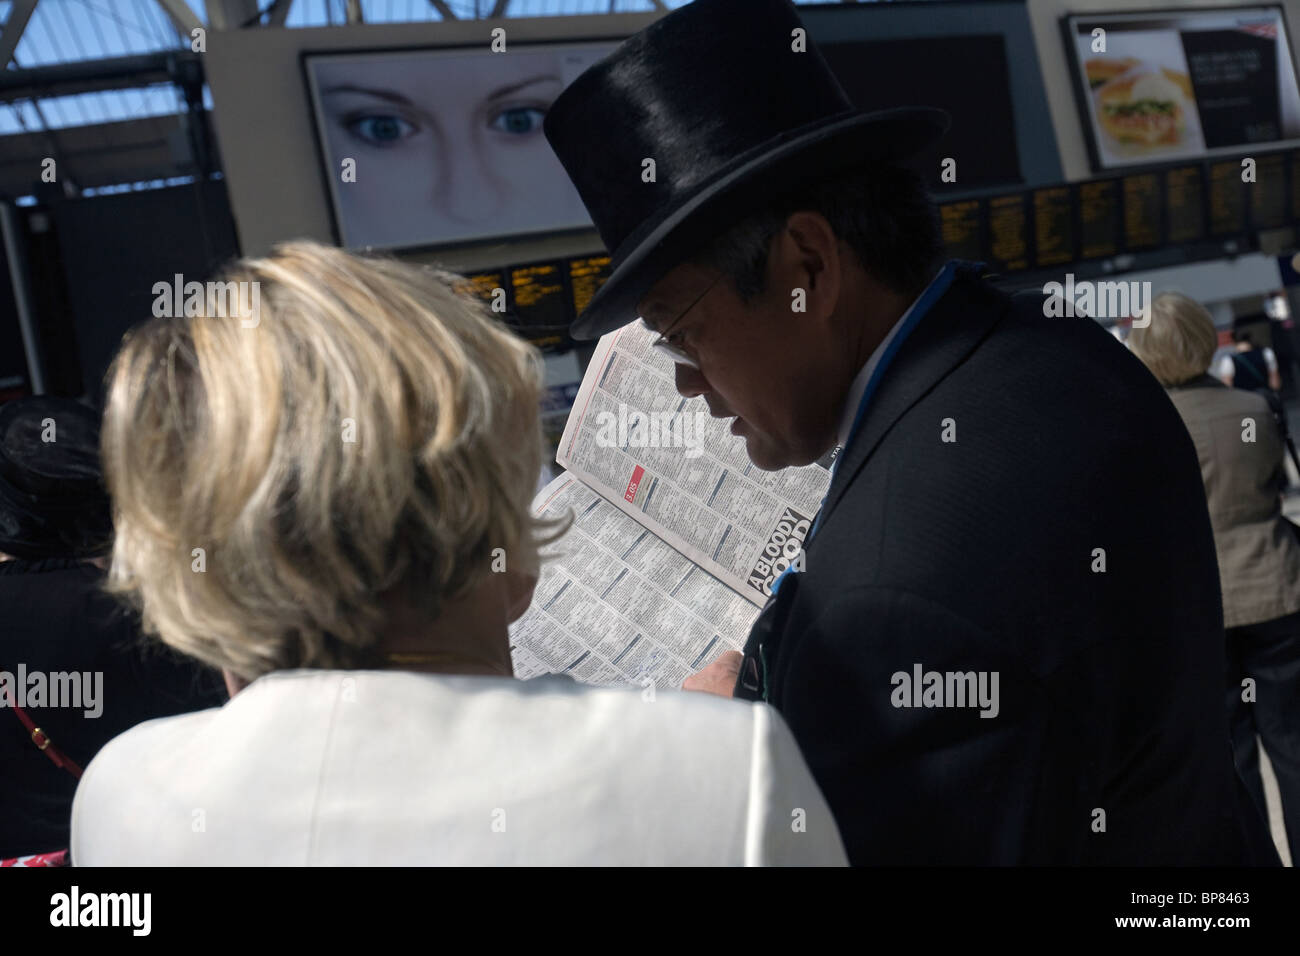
x: 854, y: 398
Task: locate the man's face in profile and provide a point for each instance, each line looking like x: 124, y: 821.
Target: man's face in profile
x: 775, y: 371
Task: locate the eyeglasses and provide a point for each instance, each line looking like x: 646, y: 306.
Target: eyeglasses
x: 664, y: 341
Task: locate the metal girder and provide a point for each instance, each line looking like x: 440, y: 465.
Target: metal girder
x: 19, y: 14
x: 101, y: 154
x: 443, y: 10
x: 352, y: 11
x: 499, y: 9
x: 231, y: 14
x: 279, y: 13
x: 182, y: 17
x: 84, y: 76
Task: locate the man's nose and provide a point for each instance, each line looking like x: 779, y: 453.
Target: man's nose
x: 690, y: 382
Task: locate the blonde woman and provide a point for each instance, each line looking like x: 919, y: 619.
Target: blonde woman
x: 308, y: 496
x: 1240, y: 450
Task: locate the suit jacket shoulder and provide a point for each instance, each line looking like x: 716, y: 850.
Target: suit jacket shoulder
x: 1021, y: 499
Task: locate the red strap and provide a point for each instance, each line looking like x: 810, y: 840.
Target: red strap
x: 58, y: 858
x: 42, y: 740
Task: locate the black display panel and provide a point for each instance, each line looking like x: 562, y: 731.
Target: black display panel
x: 485, y: 286
x: 1054, y: 234
x: 1142, y: 211
x: 1227, y: 199
x: 1235, y: 77
x: 1267, y: 193
x: 1009, y: 232
x: 965, y: 75
x: 1099, y: 218
x: 962, y: 223
x: 586, y: 275
x: 540, y: 303
x: 1185, y: 204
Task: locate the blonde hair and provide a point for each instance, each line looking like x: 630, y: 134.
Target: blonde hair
x: 370, y: 427
x: 1180, y: 340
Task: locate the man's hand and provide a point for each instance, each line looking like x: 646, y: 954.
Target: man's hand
x: 719, y: 677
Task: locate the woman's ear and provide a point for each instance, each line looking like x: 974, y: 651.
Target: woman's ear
x: 519, y: 593
x: 234, y: 683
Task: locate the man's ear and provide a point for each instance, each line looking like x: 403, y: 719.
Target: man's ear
x: 819, y: 256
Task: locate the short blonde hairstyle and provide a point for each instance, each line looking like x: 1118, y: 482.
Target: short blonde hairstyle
x: 375, y: 429
x: 1179, y: 342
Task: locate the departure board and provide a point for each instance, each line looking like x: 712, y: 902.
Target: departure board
x: 1268, y: 192
x: 1184, y: 204
x: 1053, y: 227
x: 1009, y: 233
x: 541, y: 306
x: 1227, y: 199
x: 962, y: 225
x: 586, y: 275
x: 1142, y: 213
x: 485, y: 286
x: 1099, y: 221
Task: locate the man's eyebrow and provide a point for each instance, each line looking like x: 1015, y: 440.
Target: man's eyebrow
x: 512, y: 87
x: 380, y: 94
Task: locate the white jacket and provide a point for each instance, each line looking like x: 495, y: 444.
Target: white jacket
x: 397, y: 768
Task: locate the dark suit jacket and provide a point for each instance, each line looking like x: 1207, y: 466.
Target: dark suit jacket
x: 1110, y: 744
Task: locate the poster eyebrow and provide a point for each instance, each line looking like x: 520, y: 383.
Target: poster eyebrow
x: 512, y: 87
x: 380, y: 94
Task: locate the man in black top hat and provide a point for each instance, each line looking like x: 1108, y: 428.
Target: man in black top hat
x: 1006, y: 645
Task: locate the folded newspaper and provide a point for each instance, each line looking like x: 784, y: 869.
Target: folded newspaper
x: 677, y: 536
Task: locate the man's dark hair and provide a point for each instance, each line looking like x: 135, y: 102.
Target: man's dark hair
x: 883, y: 213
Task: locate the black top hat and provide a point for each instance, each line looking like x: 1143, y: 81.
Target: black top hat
x: 718, y: 94
x: 52, y: 498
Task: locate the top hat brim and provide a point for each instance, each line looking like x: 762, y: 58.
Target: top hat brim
x: 820, y: 149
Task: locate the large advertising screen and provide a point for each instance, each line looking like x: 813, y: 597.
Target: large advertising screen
x: 428, y: 147
x: 1166, y: 85
x: 965, y: 75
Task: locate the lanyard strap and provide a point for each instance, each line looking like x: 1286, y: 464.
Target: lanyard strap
x: 42, y: 740
x: 922, y: 305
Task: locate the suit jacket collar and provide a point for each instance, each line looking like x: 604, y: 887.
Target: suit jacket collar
x: 946, y: 336
x: 858, y: 388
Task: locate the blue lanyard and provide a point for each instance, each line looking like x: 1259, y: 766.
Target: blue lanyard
x: 922, y: 305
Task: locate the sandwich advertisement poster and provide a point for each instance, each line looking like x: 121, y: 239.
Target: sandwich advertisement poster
x: 1160, y: 86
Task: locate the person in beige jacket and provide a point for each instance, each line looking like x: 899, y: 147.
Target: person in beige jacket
x: 315, y: 495
x: 1240, y: 449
